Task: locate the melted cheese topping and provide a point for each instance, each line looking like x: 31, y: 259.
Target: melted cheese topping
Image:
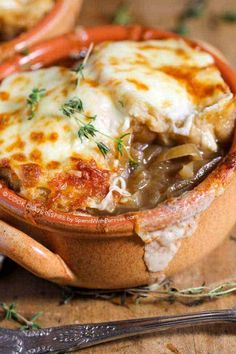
x: 173, y: 89
x: 167, y: 85
x: 40, y: 150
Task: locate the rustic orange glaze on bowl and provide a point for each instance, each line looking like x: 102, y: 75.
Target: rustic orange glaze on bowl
x: 106, y: 252
x: 61, y: 19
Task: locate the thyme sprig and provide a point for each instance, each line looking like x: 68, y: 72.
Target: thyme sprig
x: 79, y: 70
x: 74, y: 107
x: 11, y: 314
x: 71, y: 109
x: 33, y: 99
x: 163, y: 291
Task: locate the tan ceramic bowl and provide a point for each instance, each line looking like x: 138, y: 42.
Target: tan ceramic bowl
x: 61, y: 19
x: 105, y: 252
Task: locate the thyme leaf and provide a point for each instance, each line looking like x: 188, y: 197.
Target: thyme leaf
x: 72, y: 106
x: 86, y: 131
x: 120, y: 143
x: 33, y: 99
x: 103, y: 148
x: 79, y: 70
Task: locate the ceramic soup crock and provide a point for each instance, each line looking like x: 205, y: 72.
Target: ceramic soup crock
x: 61, y: 19
x: 106, y: 252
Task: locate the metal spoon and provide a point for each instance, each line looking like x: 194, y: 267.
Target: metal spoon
x: 75, y: 337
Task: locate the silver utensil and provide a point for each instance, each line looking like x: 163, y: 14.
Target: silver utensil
x: 75, y: 337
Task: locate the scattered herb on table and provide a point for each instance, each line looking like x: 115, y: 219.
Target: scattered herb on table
x: 159, y: 291
x: 33, y: 99
x: 193, y: 9
x: 122, y: 14
x: 11, y: 314
x: 229, y: 16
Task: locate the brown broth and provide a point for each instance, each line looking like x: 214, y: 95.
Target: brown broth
x: 153, y: 182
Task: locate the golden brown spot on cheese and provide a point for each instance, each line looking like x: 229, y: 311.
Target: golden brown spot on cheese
x: 4, y: 120
x: 4, y: 95
x: 53, y: 137
x: 113, y: 61
x: 91, y: 83
x: 53, y: 165
x: 21, y: 80
x: 30, y: 174
x: 166, y: 104
x: 37, y: 137
x: 1, y: 141
x: 19, y: 157
x: 187, y: 76
x: 18, y: 144
x: 178, y: 51
x: 98, y: 66
x: 66, y: 128
x: 138, y: 84
x: 35, y: 155
x: 70, y: 191
x: 65, y: 90
x: 20, y: 100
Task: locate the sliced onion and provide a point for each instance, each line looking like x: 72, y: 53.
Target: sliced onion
x: 187, y: 171
x: 186, y: 184
x: 180, y: 151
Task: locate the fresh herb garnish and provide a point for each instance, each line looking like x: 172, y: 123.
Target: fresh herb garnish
x: 103, y: 148
x: 74, y: 107
x: 11, y: 314
x: 122, y: 15
x: 87, y: 131
x: 120, y: 143
x: 79, y: 70
x: 33, y: 99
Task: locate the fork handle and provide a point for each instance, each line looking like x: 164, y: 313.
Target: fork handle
x: 74, y: 337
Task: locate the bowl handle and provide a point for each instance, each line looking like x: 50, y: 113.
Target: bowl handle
x: 33, y: 256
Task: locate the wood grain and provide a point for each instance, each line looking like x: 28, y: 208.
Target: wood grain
x: 32, y: 294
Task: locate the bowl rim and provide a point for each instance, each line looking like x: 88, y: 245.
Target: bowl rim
x: 169, y: 212
x: 37, y: 32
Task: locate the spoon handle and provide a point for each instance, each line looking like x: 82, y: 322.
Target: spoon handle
x: 74, y: 337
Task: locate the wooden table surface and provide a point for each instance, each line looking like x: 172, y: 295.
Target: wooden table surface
x: 32, y: 294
